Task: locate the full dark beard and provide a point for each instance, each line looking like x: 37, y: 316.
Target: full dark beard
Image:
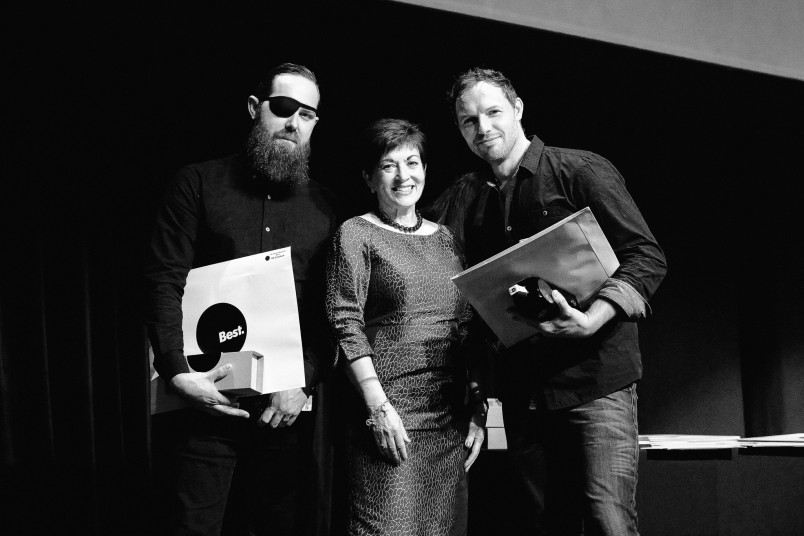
x: 283, y: 169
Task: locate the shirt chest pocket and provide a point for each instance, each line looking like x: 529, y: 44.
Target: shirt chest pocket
x: 544, y: 217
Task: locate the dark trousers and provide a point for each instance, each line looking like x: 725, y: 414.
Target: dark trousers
x: 226, y: 476
x: 578, y: 466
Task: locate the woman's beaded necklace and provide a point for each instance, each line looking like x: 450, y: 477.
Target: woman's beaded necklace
x: 388, y: 221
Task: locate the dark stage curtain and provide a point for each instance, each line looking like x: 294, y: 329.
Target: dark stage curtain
x: 74, y: 368
x: 74, y: 401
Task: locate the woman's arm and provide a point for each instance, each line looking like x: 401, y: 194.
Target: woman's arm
x: 348, y: 280
x: 384, y: 421
x: 477, y: 368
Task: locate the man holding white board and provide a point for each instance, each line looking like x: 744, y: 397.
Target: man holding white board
x: 569, y: 393
x: 256, y: 201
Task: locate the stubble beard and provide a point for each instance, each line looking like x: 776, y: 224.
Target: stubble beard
x: 282, y: 168
x: 497, y: 153
x: 490, y: 156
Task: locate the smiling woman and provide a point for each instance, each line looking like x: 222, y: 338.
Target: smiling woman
x: 400, y: 326
x: 398, y: 181
x: 394, y: 167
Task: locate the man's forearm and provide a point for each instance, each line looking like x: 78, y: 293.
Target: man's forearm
x: 599, y: 313
x: 626, y: 297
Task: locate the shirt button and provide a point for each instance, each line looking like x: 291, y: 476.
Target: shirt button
x: 268, y: 229
x: 508, y: 228
x: 544, y: 213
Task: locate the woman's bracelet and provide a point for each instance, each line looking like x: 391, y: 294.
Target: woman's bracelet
x: 376, y: 413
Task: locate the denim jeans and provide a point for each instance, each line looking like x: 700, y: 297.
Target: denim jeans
x: 578, y: 465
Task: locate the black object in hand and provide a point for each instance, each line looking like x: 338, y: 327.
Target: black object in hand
x: 533, y: 297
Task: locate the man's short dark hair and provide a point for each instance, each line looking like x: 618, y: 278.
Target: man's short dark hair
x: 386, y: 135
x: 472, y: 77
x: 266, y: 84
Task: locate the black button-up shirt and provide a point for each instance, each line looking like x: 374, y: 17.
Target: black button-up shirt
x: 218, y: 211
x: 551, y: 184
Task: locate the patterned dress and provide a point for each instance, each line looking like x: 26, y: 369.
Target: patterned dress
x: 389, y: 296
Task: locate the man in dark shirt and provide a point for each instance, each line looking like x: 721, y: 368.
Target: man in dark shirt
x: 569, y: 393
x: 252, y: 202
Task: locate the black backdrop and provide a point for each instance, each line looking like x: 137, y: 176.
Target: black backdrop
x: 107, y: 103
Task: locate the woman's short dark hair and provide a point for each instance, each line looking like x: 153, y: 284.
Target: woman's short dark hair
x: 385, y: 135
x: 475, y: 75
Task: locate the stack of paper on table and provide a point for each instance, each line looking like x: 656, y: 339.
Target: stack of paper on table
x: 572, y: 254
x: 687, y: 442
x: 785, y: 440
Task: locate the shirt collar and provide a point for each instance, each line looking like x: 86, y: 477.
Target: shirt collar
x: 530, y: 160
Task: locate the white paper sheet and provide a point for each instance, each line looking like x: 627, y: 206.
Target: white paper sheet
x: 262, y: 288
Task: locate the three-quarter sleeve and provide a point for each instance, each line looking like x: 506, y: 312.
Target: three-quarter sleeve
x: 348, y: 276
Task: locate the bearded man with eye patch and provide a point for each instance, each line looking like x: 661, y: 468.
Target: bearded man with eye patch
x: 248, y: 459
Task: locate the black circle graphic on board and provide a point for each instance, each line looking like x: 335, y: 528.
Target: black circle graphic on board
x: 221, y: 328
x: 203, y: 362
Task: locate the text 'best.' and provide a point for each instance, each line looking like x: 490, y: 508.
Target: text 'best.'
x: 226, y: 335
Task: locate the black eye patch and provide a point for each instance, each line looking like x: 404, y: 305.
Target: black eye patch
x: 285, y: 106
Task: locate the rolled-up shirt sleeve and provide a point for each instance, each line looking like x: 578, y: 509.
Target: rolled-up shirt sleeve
x: 625, y: 297
x: 642, y: 261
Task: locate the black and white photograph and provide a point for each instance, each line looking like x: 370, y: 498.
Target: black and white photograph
x: 403, y: 267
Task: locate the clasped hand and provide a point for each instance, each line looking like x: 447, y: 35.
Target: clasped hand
x: 569, y: 322
x: 285, y: 406
x: 198, y: 389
